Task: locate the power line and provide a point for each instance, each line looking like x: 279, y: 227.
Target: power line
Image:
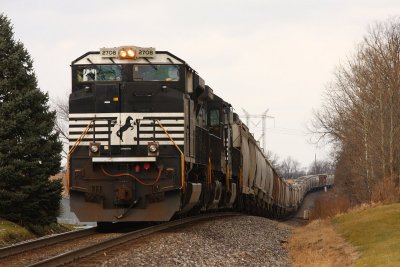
x: 282, y: 130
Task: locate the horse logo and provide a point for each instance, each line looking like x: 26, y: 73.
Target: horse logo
x: 127, y: 125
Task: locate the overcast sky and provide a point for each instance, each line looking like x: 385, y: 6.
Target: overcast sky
x: 255, y: 54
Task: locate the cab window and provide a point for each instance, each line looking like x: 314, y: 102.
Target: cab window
x: 214, y: 117
x: 156, y: 73
x: 99, y: 73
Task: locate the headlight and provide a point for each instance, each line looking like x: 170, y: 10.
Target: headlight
x: 130, y: 53
x: 153, y: 148
x: 123, y: 54
x: 94, y: 148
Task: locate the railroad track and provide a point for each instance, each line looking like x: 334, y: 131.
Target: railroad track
x: 44, y: 242
x: 30, y: 252
x: 81, y: 253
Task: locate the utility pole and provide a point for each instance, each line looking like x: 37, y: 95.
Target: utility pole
x: 263, y: 116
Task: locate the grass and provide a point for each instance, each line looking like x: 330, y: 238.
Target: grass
x: 366, y: 236
x: 11, y: 233
x: 375, y: 232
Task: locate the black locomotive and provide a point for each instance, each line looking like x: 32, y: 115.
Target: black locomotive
x: 150, y: 140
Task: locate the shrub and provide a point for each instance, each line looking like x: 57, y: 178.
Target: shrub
x: 328, y: 205
x: 385, y: 191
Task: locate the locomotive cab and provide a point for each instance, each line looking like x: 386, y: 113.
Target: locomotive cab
x: 126, y: 134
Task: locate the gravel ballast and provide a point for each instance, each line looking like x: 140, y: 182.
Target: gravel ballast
x: 228, y: 241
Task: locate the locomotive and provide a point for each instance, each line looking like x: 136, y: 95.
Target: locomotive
x: 149, y: 140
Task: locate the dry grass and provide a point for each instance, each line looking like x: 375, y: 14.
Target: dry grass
x: 365, y: 235
x: 11, y: 233
x: 363, y: 206
x: 317, y: 244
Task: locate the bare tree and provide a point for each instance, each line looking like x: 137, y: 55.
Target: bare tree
x: 359, y: 113
x: 290, y: 168
x: 62, y: 109
x: 320, y: 167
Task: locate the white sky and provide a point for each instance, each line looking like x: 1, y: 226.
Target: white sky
x: 255, y: 54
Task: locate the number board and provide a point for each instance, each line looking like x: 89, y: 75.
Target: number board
x: 145, y: 52
x: 140, y: 51
x: 109, y: 52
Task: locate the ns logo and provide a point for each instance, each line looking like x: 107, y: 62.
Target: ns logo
x: 128, y: 124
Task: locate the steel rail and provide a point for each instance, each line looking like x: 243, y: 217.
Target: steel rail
x: 44, y: 242
x: 87, y: 251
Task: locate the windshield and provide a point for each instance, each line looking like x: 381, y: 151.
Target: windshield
x: 99, y: 73
x: 156, y: 73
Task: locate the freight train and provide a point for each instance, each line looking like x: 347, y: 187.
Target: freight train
x: 149, y: 140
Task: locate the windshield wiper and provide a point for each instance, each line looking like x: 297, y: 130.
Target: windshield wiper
x: 151, y: 64
x: 170, y: 60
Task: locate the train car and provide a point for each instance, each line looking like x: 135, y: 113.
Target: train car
x: 149, y: 140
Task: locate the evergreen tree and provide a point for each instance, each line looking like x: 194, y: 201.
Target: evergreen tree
x: 29, y: 146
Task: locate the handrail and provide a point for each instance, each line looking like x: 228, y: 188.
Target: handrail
x: 241, y: 178
x: 209, y: 173
x: 71, y: 150
x: 182, y: 155
x: 228, y: 175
